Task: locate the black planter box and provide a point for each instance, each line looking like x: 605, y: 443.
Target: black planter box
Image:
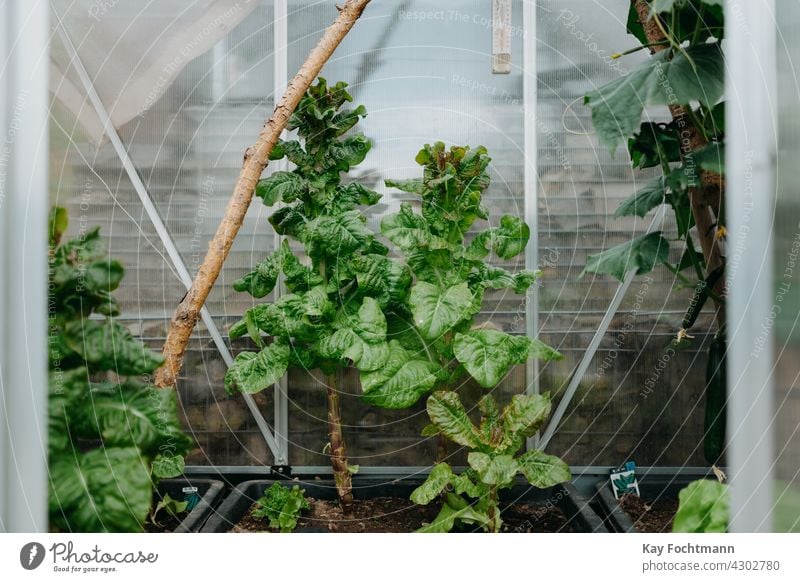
x: 209, y: 490
x: 580, y: 515
x: 651, y: 488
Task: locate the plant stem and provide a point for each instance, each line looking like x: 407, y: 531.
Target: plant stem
x: 493, y: 511
x: 341, y: 469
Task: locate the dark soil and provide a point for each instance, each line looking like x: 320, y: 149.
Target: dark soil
x: 396, y: 515
x: 650, y: 516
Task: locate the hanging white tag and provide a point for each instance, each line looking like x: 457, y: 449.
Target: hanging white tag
x: 501, y: 37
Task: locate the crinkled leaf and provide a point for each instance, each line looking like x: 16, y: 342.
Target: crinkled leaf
x: 498, y: 470
x: 106, y: 345
x: 401, y: 382
x: 337, y: 236
x: 488, y: 355
x: 543, y: 470
x: 253, y: 372
x: 522, y: 417
x: 281, y: 186
x: 412, y: 186
x: 703, y: 507
x: 438, y: 479
x: 168, y: 466
x: 436, y: 310
x: 640, y: 255
x: 406, y: 229
x: 261, y: 281
x: 104, y: 490
x: 447, y: 413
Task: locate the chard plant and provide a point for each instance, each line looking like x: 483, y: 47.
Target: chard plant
x: 281, y: 506
x: 435, y: 342
x: 112, y: 435
x: 473, y: 497
x: 333, y: 315
x: 685, y: 75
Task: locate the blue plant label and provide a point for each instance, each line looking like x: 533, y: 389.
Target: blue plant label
x: 623, y: 480
x: 191, y: 497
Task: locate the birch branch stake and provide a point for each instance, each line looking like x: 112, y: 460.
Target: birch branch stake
x: 255, y: 160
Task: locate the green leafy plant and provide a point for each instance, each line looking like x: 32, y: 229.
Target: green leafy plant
x: 703, y: 507
x: 110, y: 437
x: 282, y: 506
x: 333, y: 315
x: 685, y: 74
x: 170, y: 506
x: 472, y: 497
x: 435, y: 340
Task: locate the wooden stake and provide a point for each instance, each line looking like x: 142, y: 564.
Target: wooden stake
x: 255, y: 160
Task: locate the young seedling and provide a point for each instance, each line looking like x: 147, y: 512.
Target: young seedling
x: 281, y: 506
x: 435, y: 340
x: 333, y: 315
x: 169, y: 505
x: 110, y: 437
x: 472, y: 497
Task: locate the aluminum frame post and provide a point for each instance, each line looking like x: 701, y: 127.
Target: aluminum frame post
x: 750, y: 202
x: 24, y: 202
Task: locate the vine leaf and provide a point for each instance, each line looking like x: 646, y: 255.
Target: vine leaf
x: 694, y: 74
x: 640, y: 255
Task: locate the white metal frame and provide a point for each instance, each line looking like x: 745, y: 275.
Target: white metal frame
x: 751, y: 154
x: 24, y: 67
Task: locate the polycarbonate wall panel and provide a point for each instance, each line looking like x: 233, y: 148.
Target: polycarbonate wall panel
x: 786, y: 308
x: 638, y: 400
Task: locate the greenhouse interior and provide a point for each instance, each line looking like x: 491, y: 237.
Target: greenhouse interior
x: 397, y: 266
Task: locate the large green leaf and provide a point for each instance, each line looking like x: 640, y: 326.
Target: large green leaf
x: 402, y: 381
x: 412, y: 186
x: 168, y: 466
x: 448, y: 516
x: 253, y: 372
x: 261, y: 281
x: 499, y: 470
x: 703, y: 507
x: 543, y: 470
x: 104, y: 490
x: 507, y: 240
x: 640, y: 255
x: 387, y: 280
x: 406, y: 229
x: 712, y: 158
x: 125, y: 415
x: 437, y: 310
x: 488, y: 355
x: 438, y: 479
x: 692, y: 74
x: 281, y: 186
x: 447, y: 413
x: 361, y: 340
x: 521, y: 418
x: 652, y: 195
x: 106, y: 345
x: 337, y: 236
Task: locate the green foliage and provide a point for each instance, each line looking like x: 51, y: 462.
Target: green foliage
x: 281, y: 506
x: 109, y: 437
x: 169, y: 505
x: 703, y: 507
x: 493, y: 459
x: 434, y: 327
x: 688, y: 76
x: 334, y: 314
